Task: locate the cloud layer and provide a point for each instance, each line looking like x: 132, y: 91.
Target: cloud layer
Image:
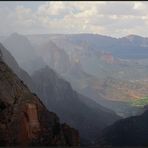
x: 100, y: 17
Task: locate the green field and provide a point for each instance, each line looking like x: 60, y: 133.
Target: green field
x: 140, y: 102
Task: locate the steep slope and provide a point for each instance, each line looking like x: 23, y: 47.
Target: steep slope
x: 24, y: 120
x: 54, y: 57
x: 22, y: 50
x: 131, y: 131
x: 58, y: 96
x: 11, y: 62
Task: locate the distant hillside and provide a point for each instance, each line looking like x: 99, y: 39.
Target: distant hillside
x: 23, y: 52
x: 94, y: 67
x: 11, y: 62
x: 132, y: 131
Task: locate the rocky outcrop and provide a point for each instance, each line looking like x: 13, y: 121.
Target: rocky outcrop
x: 24, y: 120
x: 70, y: 134
x: 29, y: 123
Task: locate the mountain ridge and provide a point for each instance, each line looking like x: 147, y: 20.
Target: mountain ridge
x: 24, y: 120
x: 70, y: 105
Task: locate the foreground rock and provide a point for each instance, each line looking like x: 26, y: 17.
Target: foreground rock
x: 24, y: 120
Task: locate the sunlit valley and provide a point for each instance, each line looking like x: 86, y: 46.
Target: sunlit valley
x: 73, y: 89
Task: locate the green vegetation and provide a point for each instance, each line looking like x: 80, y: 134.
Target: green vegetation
x: 140, y: 102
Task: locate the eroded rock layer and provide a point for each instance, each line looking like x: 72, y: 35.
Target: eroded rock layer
x: 24, y: 120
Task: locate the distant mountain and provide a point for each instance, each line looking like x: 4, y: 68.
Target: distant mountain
x: 22, y: 50
x: 54, y: 57
x: 11, y: 62
x: 136, y: 40
x: 132, y: 131
x: 129, y: 47
x: 70, y: 106
x: 106, y: 71
x: 102, y: 56
x: 58, y: 96
x: 24, y: 120
x: 91, y: 64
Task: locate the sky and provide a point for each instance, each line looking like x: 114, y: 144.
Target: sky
x: 110, y: 18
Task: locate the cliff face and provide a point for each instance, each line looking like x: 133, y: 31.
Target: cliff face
x: 24, y: 120
x: 72, y: 108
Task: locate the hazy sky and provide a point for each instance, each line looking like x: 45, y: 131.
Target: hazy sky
x: 100, y: 17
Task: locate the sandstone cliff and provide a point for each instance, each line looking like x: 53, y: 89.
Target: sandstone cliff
x: 24, y: 120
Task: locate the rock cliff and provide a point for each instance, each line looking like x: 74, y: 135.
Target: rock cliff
x: 24, y: 120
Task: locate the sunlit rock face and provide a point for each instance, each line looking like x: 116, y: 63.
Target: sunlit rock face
x: 29, y: 123
x: 24, y: 120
